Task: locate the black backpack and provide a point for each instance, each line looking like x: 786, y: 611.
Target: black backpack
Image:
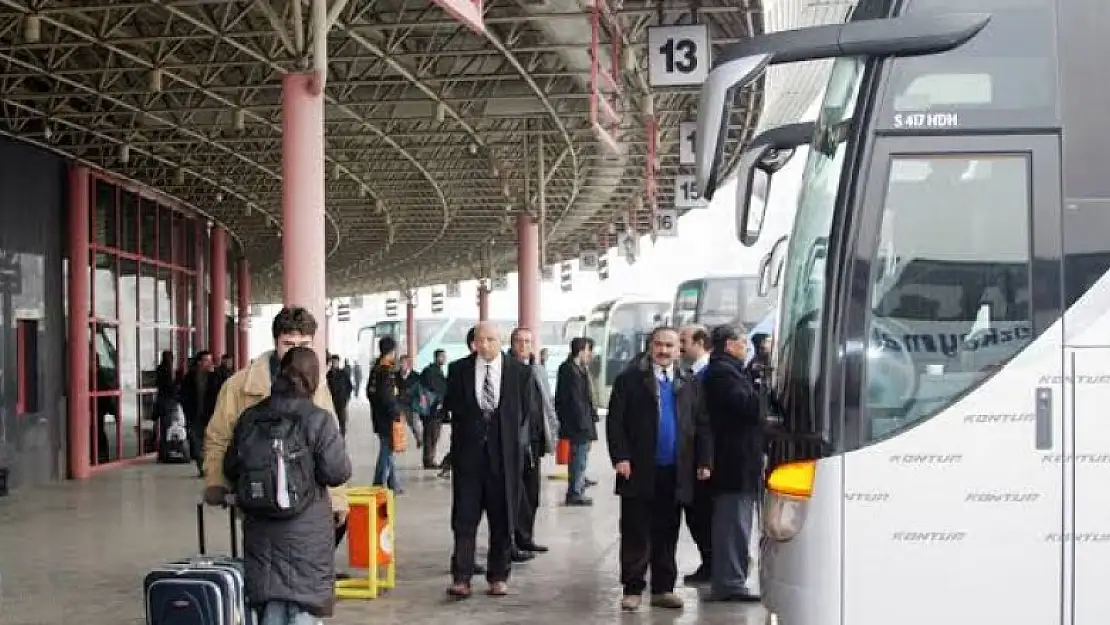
x: 277, y: 474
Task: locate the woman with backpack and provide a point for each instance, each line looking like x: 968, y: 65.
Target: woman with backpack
x: 283, y: 456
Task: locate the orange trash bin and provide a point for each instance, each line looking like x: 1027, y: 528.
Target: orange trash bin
x: 358, y: 532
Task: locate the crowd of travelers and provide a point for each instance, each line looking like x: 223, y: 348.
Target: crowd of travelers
x: 683, y: 429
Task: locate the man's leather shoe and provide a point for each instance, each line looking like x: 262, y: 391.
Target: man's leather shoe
x: 498, y: 589
x: 459, y: 590
x: 580, y: 501
x: 519, y: 555
x: 534, y: 548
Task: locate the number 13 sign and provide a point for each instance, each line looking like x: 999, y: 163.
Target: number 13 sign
x: 679, y: 56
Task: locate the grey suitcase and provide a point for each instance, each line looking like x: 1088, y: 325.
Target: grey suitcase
x: 202, y: 590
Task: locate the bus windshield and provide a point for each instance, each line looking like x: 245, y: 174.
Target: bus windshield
x: 798, y: 357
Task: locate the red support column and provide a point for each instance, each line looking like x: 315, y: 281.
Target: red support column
x: 528, y: 276
x: 410, y: 330
x: 302, y: 199
x: 243, y: 288
x: 483, y: 301
x: 78, y: 419
x: 217, y: 296
x: 200, y: 326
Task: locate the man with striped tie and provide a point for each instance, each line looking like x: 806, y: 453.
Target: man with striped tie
x: 489, y: 397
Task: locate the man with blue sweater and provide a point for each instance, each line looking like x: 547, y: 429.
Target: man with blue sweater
x: 660, y: 445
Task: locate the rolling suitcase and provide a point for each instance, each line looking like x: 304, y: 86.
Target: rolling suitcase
x: 203, y: 590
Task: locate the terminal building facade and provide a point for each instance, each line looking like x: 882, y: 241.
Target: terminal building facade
x: 79, y: 351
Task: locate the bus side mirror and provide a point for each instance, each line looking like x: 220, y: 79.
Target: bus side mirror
x: 752, y: 187
x: 765, y: 156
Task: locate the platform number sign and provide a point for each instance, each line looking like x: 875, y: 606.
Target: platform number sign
x: 666, y: 223
x: 454, y: 289
x: 679, y: 55
x: 687, y: 132
x: 686, y: 193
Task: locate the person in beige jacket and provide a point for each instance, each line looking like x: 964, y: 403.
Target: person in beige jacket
x: 292, y: 327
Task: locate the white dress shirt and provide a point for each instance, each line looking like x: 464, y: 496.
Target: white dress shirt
x: 661, y: 371
x: 480, y: 368
x: 700, y: 363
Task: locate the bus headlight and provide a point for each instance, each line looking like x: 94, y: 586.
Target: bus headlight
x: 783, y: 517
x: 789, y: 488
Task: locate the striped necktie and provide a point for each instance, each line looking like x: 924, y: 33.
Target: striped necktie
x: 489, y: 400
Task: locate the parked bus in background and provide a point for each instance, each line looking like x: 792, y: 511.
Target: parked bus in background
x: 717, y: 300
x: 619, y: 329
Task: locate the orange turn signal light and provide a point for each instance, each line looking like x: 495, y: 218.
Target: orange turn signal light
x: 794, y: 479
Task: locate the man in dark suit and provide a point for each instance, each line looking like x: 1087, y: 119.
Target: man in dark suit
x: 659, y: 442
x: 488, y: 396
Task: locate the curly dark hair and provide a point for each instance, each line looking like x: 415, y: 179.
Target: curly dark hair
x: 298, y: 374
x: 294, y: 320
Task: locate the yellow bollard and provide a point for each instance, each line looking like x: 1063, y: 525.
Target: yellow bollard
x: 370, y: 540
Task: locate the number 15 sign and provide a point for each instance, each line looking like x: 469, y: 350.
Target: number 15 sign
x: 678, y: 56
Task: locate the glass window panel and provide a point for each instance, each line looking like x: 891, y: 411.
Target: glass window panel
x: 165, y: 234
x: 148, y: 357
x: 178, y: 237
x: 105, y: 217
x: 129, y: 221
x: 148, y: 230
x: 188, y: 244
x: 166, y: 342
x: 190, y: 299
x: 104, y: 286
x: 148, y: 436
x: 128, y: 322
x: 950, y: 295
x: 147, y: 298
x: 164, y: 297
x: 129, y: 425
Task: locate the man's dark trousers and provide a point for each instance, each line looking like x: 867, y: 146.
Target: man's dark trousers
x: 477, y: 489
x: 529, y: 500
x: 433, y: 425
x: 699, y: 519
x: 649, y: 537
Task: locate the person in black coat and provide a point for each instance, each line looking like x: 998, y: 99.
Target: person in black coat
x: 434, y: 381
x: 577, y: 415
x: 734, y: 416
x: 659, y: 442
x: 340, y: 387
x: 289, y: 564
x: 488, y: 397
x: 385, y: 409
x: 197, y: 396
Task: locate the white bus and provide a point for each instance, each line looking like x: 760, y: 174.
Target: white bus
x: 619, y: 329
x: 940, y: 454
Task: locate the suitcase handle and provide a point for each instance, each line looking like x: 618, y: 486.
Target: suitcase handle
x: 201, y: 534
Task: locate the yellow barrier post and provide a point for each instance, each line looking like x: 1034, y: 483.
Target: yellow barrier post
x: 377, y: 543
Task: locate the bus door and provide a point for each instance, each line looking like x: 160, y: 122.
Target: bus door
x: 953, y: 431
x: 1087, y: 380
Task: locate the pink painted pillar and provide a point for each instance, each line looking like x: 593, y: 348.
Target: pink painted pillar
x: 410, y: 331
x: 302, y: 200
x: 217, y: 295
x: 243, y: 288
x: 200, y: 325
x: 528, y: 277
x: 483, y: 302
x: 78, y: 417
